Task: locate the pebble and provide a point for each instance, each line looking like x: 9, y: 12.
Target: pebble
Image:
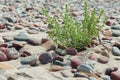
x: 66, y: 73
x: 57, y: 57
x: 33, y: 31
x: 18, y: 27
x: 56, y: 68
x: 116, y: 33
x: 115, y: 51
x: 75, y: 62
x: 29, y: 60
x: 103, y: 59
x: 2, y: 77
x: 60, y: 52
x: 85, y: 68
x: 115, y: 75
x: 107, y: 33
x: 45, y: 58
x: 44, y: 40
x: 25, y: 54
x: 80, y: 74
x: 3, y: 57
x: 34, y: 42
x: 18, y: 45
x: 12, y: 54
x: 22, y: 36
x: 71, y: 51
x: 115, y: 27
x: 108, y: 71
x: 60, y: 63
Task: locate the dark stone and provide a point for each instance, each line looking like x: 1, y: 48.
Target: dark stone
x: 115, y: 75
x: 60, y: 63
x: 3, y: 57
x: 25, y: 54
x: 17, y: 45
x: 78, y: 74
x: 75, y: 63
x: 115, y: 33
x: 44, y: 40
x: 45, y: 58
x: 57, y: 58
x: 71, y: 51
x: 4, y: 45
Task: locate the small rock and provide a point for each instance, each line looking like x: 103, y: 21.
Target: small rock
x: 25, y: 54
x: 34, y: 41
x: 45, y: 58
x: 106, y: 77
x: 107, y: 33
x: 12, y: 54
x: 108, y: 23
x: 44, y: 40
x: 117, y: 44
x: 22, y: 36
x: 8, y: 38
x: 18, y: 27
x: 115, y: 27
x: 107, y: 38
x: 4, y: 45
x: 56, y: 68
x: 33, y: 31
x: 60, y: 63
x: 109, y: 70
x: 18, y: 45
x: 80, y: 74
x: 103, y: 59
x: 3, y: 57
x: 58, y: 58
x: 115, y: 75
x: 31, y: 60
x: 75, y: 62
x: 115, y: 51
x: 71, y: 51
x: 60, y: 52
x: 74, y: 70
x: 85, y: 68
x: 115, y: 33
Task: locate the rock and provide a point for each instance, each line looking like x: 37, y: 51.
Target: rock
x: 75, y: 13
x: 56, y: 68
x: 9, y: 20
x: 60, y: 63
x: 108, y: 71
x: 92, y: 78
x: 66, y: 73
x: 85, y: 68
x: 18, y: 27
x: 4, y: 45
x: 44, y: 40
x: 80, y: 74
x: 60, y: 52
x: 18, y: 45
x: 106, y: 77
x: 3, y: 57
x: 3, y: 49
x: 107, y: 33
x: 106, y: 38
x: 2, y: 25
x: 33, y: 31
x: 22, y: 36
x: 8, y: 38
x: 58, y: 58
x: 97, y: 50
x: 115, y: 27
x: 12, y: 54
x: 49, y: 45
x: 29, y: 60
x: 34, y: 42
x: 116, y: 33
x: 103, y: 59
x: 117, y: 44
x: 75, y: 63
x: 115, y: 75
x: 25, y: 54
x: 115, y: 51
x: 45, y: 58
x: 71, y: 51
x: 2, y: 77
x: 108, y: 23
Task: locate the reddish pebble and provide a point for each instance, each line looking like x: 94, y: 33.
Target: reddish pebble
x: 58, y: 58
x: 108, y: 23
x: 74, y: 70
x: 3, y: 57
x: 75, y: 62
x: 115, y: 75
x: 71, y: 51
x: 3, y: 45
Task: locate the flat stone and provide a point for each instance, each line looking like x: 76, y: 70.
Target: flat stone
x: 80, y: 74
x: 115, y: 51
x: 56, y: 68
x: 33, y: 31
x: 103, y: 59
x: 22, y: 36
x: 60, y: 63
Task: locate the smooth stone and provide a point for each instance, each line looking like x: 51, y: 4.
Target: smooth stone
x: 3, y: 49
x: 60, y: 63
x: 80, y: 74
x: 12, y: 54
x: 75, y: 62
x: 117, y: 44
x: 8, y: 38
x: 9, y: 20
x: 60, y: 52
x: 115, y: 27
x: 71, y: 51
x: 18, y: 27
x: 33, y: 31
x: 103, y: 59
x: 29, y: 60
x: 115, y: 75
x: 34, y: 42
x: 9, y: 27
x: 57, y: 57
x: 74, y: 70
x: 108, y: 71
x: 116, y: 33
x: 85, y: 68
x: 22, y: 36
x: 45, y: 58
x: 56, y: 68
x: 25, y: 54
x: 115, y: 51
x: 3, y: 57
x: 106, y: 77
x: 2, y: 77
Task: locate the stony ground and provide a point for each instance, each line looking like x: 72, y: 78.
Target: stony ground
x: 24, y: 43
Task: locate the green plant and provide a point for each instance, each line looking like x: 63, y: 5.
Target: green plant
x: 73, y: 33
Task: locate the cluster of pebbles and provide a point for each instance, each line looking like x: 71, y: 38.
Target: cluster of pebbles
x: 27, y: 53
